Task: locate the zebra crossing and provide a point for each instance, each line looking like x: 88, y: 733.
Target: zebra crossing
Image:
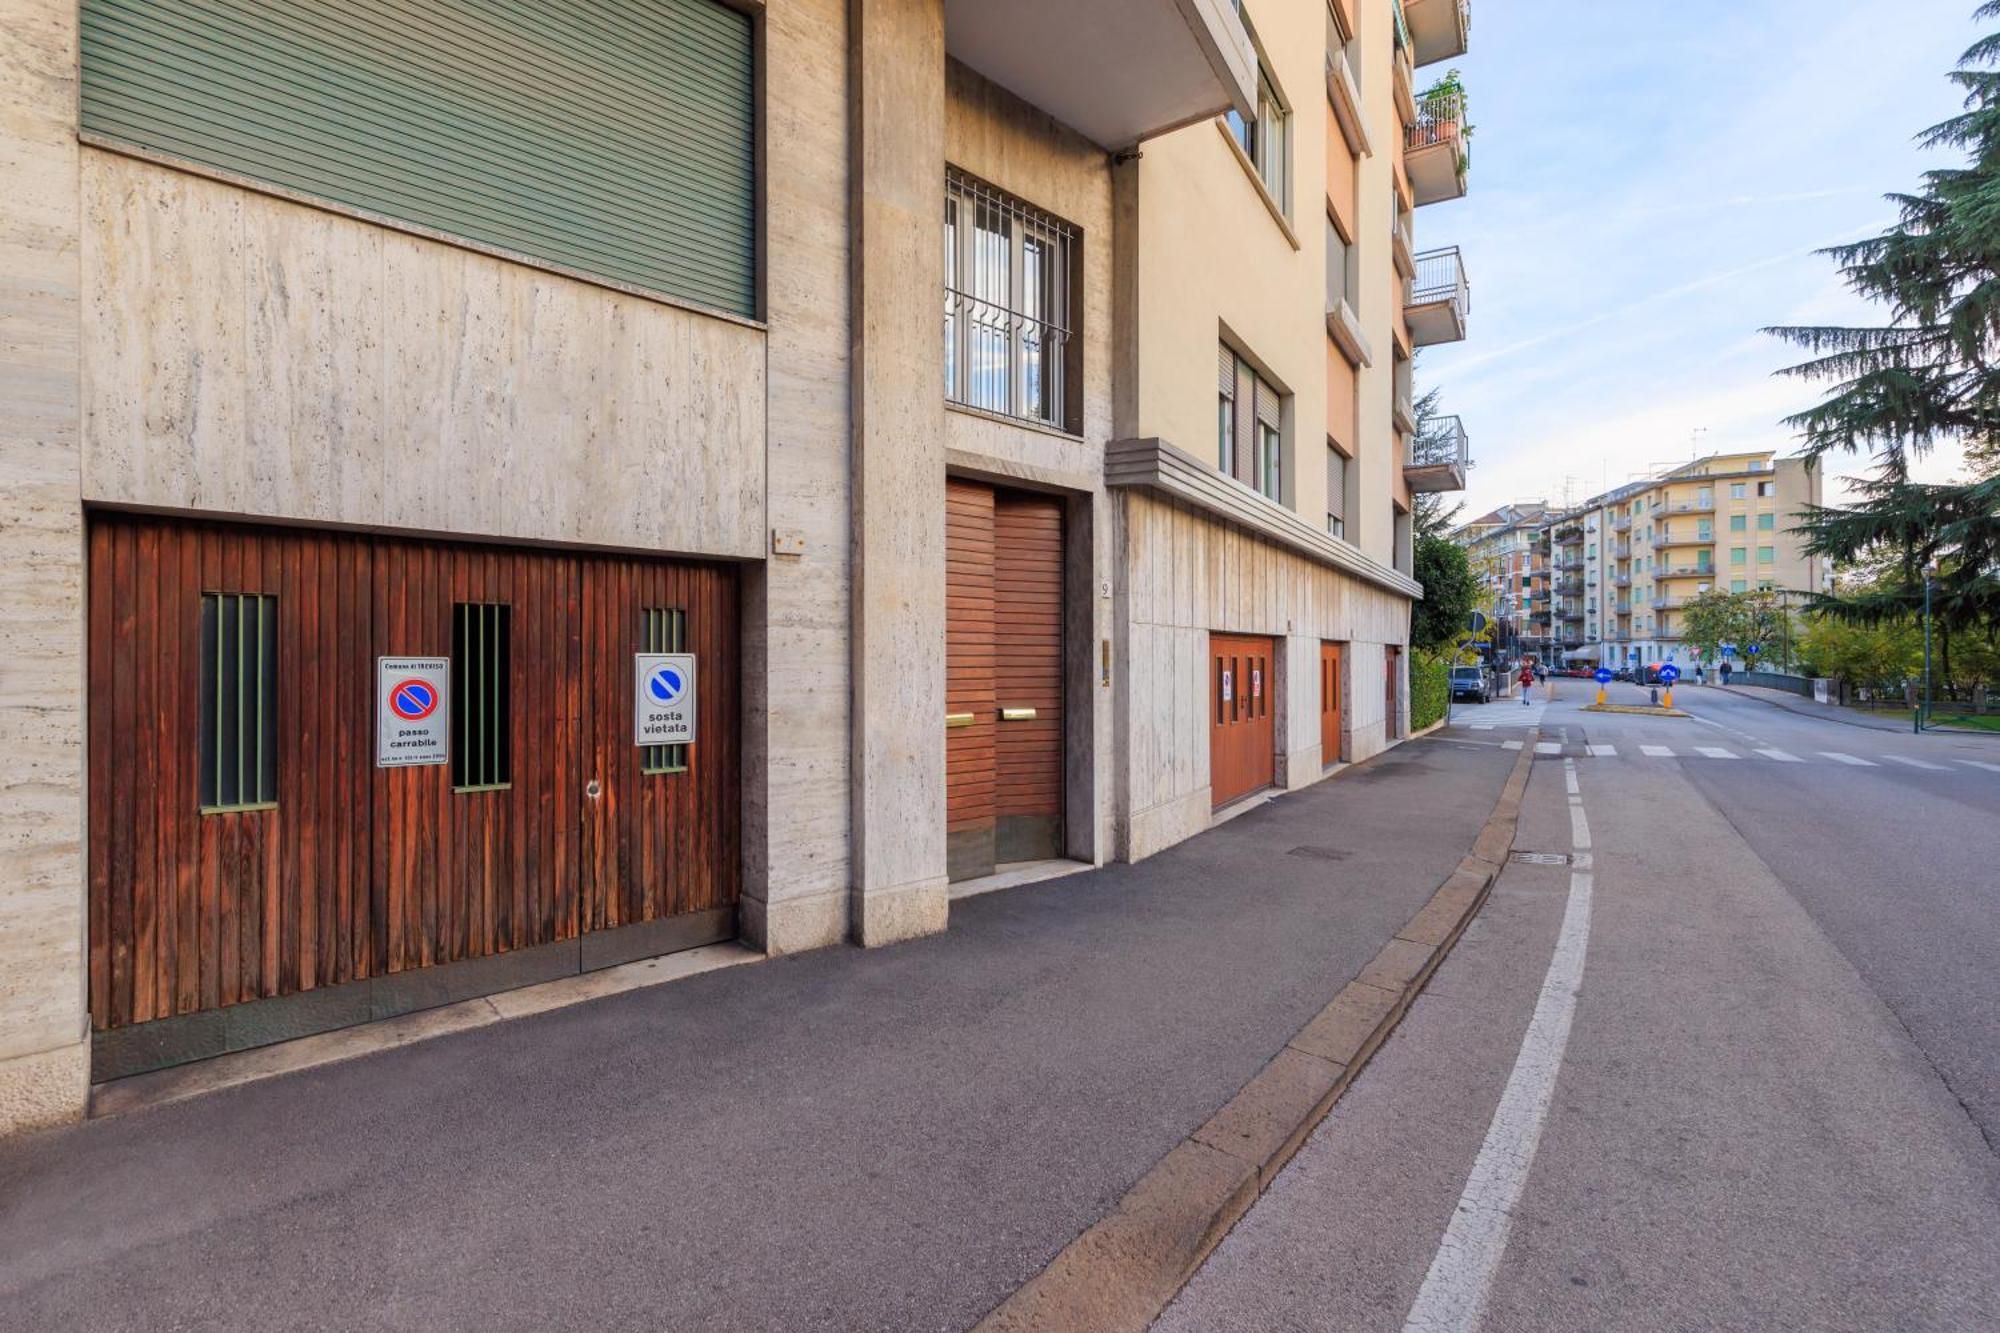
x: 1767, y: 753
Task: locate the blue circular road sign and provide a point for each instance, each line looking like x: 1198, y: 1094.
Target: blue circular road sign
x: 1603, y: 675
x: 1669, y: 673
x: 1753, y: 650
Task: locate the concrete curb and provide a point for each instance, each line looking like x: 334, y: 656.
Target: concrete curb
x: 1822, y: 712
x: 1123, y: 1270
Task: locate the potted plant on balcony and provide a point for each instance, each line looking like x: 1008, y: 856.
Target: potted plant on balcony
x: 1443, y: 106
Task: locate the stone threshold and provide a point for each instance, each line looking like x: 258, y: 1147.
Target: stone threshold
x: 141, y: 1091
x: 1013, y: 874
x: 1122, y: 1271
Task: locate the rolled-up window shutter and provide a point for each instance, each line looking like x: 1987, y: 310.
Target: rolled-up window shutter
x: 1225, y: 368
x: 1336, y: 484
x: 1246, y: 424
x: 616, y: 141
x: 1268, y: 405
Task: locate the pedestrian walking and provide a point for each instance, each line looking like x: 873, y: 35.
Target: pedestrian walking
x: 1527, y: 680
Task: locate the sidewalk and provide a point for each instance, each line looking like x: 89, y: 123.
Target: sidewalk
x: 847, y: 1139
x: 1851, y: 717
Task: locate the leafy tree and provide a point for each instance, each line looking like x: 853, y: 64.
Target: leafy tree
x: 1450, y: 593
x: 1879, y: 655
x: 1932, y: 373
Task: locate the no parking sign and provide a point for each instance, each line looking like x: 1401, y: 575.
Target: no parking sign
x: 412, y: 711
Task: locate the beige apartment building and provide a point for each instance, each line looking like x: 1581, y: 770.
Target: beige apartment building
x: 1622, y: 566
x: 717, y: 471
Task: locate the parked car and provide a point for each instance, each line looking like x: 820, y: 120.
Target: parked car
x: 1470, y: 682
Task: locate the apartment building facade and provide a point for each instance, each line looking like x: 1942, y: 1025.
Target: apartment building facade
x: 1623, y: 566
x: 1503, y: 547
x: 714, y: 471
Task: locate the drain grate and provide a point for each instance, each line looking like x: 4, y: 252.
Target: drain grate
x: 1320, y: 853
x: 1539, y: 858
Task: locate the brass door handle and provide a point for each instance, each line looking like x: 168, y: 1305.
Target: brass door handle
x: 958, y: 719
x: 1017, y: 715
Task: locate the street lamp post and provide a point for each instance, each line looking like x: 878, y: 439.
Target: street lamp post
x: 1924, y: 705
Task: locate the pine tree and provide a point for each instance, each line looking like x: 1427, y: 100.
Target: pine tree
x: 1930, y: 375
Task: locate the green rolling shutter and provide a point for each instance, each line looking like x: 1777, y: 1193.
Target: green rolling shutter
x: 617, y: 140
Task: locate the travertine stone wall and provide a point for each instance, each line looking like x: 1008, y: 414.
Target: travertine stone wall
x: 44, y: 1059
x: 1187, y: 575
x: 896, y: 157
x: 247, y: 355
x: 796, y: 644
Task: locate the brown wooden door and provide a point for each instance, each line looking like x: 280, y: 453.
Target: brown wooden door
x: 1329, y: 703
x: 331, y: 870
x: 1003, y: 678
x: 1027, y: 676
x: 1242, y: 755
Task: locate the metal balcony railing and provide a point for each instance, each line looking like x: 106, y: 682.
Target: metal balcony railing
x: 1440, y: 120
x: 1441, y: 442
x: 1441, y: 277
x: 1621, y: 522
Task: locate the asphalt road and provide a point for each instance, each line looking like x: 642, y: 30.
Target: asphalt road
x: 1765, y: 1097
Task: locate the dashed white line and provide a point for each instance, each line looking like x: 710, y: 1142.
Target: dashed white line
x: 1548, y: 747
x: 1460, y: 1279
x: 1717, y: 752
x: 1857, y: 761
x: 1482, y: 726
x: 1510, y: 745
x: 1781, y: 756
x: 1658, y: 751
x: 1914, y: 763
x: 1604, y: 751
x: 1980, y: 763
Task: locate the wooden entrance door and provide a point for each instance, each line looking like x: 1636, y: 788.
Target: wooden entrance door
x: 1329, y: 703
x: 1003, y: 678
x: 245, y: 846
x: 1242, y: 749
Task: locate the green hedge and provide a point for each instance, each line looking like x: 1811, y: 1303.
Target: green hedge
x: 1430, y: 688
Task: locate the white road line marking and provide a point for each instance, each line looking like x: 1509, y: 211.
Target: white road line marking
x: 1915, y: 763
x: 1717, y: 752
x: 1847, y: 758
x: 1604, y: 751
x: 1510, y: 745
x: 1980, y: 763
x: 1482, y: 726
x: 1781, y: 756
x: 1658, y: 751
x: 1548, y: 747
x: 1460, y: 1279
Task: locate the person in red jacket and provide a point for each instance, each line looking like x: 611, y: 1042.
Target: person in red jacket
x: 1527, y: 680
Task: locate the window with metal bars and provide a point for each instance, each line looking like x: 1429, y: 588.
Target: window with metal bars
x: 663, y: 630
x: 1010, y: 343
x: 239, y: 702
x: 482, y: 659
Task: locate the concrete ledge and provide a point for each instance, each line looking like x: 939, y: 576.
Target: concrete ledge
x: 1122, y: 1271
x: 44, y: 1089
x: 794, y: 925
x: 907, y: 912
x: 1641, y: 710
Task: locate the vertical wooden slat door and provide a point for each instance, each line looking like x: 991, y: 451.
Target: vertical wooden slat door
x: 1392, y: 692
x: 971, y: 703
x: 322, y: 869
x: 1329, y: 703
x: 1027, y: 676
x: 1242, y: 751
x: 660, y: 845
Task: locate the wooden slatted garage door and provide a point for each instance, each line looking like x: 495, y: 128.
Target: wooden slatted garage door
x: 1242, y: 747
x: 1003, y: 678
x: 1329, y: 703
x: 244, y: 845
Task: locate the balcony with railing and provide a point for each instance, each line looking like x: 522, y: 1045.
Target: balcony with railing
x: 1698, y: 570
x: 1569, y: 587
x: 1440, y: 456
x: 1439, y: 299
x: 1664, y: 538
x: 1621, y: 522
x: 1621, y: 550
x: 1439, y: 29
x: 1436, y: 156
x: 1669, y: 603
x: 1621, y: 580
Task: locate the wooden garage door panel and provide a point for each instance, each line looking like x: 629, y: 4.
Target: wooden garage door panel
x: 1242, y: 731
x: 969, y: 656
x: 359, y: 872
x: 1329, y: 703
x: 1027, y: 632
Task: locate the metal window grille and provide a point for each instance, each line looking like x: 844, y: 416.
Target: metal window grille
x: 239, y: 702
x: 1009, y: 269
x: 663, y: 630
x: 482, y: 660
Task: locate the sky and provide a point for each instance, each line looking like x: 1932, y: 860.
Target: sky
x: 1648, y: 186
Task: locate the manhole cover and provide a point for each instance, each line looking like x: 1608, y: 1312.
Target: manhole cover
x: 1320, y: 853
x: 1540, y: 858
